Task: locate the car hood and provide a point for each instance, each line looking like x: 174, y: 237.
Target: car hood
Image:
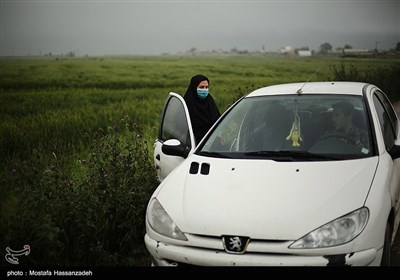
x: 264, y: 199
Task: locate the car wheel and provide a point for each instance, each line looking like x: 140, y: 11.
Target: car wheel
x: 387, y: 246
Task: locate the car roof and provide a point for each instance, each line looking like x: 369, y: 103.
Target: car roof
x: 333, y: 87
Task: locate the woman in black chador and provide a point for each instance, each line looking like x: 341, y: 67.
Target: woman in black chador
x: 201, y: 105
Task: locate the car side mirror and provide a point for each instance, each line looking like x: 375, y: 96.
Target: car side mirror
x: 394, y: 152
x: 174, y: 147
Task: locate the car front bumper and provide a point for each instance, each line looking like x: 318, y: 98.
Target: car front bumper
x: 172, y: 255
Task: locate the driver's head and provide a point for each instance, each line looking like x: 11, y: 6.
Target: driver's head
x: 342, y: 116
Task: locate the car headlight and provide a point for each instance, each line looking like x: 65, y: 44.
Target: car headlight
x: 161, y: 222
x: 337, y: 232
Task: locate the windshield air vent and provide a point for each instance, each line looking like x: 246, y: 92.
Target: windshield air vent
x: 205, y: 168
x: 194, y: 168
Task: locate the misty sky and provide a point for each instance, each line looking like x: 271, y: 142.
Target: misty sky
x: 155, y: 27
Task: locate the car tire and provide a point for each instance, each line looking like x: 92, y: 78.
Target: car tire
x: 387, y: 246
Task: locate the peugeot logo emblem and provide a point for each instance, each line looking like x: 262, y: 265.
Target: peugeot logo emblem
x: 235, y: 244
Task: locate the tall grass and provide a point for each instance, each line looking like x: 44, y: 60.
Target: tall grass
x: 90, y: 212
x: 76, y: 141
x: 387, y: 78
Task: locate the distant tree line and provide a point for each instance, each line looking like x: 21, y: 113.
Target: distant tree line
x: 325, y: 48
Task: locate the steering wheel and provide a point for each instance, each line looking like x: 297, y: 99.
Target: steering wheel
x: 340, y: 136
x: 335, y: 143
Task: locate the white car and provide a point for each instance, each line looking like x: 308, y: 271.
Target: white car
x: 271, y: 184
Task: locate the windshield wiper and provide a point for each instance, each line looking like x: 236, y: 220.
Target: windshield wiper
x: 289, y: 155
x: 213, y: 154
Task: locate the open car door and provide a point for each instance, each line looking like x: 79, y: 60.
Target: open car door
x: 175, y: 137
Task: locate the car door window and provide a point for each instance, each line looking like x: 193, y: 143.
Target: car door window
x: 389, y: 109
x: 385, y: 120
x: 175, y: 124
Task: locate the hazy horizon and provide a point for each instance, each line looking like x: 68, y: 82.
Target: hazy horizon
x: 114, y: 27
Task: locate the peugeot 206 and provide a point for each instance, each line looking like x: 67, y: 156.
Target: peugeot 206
x: 291, y: 174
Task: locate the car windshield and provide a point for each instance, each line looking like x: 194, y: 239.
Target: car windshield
x: 293, y: 128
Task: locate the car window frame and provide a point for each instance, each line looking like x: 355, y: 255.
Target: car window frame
x: 164, y: 161
x: 167, y: 106
x: 383, y: 101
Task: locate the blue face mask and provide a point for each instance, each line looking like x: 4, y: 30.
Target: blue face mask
x: 202, y: 93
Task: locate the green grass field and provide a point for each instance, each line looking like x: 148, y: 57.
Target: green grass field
x: 52, y: 110
x: 43, y: 99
